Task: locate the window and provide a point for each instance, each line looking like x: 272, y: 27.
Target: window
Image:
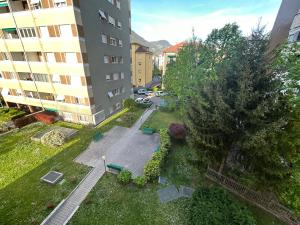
x: 71, y: 57
x: 13, y: 76
x: 119, y: 25
x: 79, y: 101
x: 35, y: 4
x: 110, y: 94
x: 44, y: 32
x: 113, y: 41
x: 122, y: 76
x: 66, y: 31
x: 1, y: 76
x: 116, y: 76
x: 55, y: 79
x: 51, y: 57
x: 102, y: 15
x: 25, y: 76
x: 120, y: 43
x: 40, y: 77
x: 27, y: 32
x: 19, y: 92
x: 83, y: 118
x: 118, y: 106
x: 108, y: 77
x: 106, y: 59
x: 120, y: 59
x: 104, y: 38
x: 67, y: 116
x: 114, y: 59
x: 116, y: 91
x: 60, y: 3
x: 112, y: 20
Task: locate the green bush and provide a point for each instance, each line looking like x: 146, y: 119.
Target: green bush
x: 124, y: 177
x: 152, y: 170
x: 54, y: 138
x: 140, y: 181
x: 214, y: 206
x: 129, y: 103
x: 10, y: 114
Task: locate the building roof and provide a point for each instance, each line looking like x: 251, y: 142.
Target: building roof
x: 143, y: 49
x: 174, y: 48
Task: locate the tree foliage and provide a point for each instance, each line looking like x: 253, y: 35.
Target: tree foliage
x: 237, y: 106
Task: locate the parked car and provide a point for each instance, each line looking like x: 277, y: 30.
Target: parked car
x: 160, y: 94
x: 147, y: 101
x: 139, y: 100
x: 142, y: 91
x: 149, y: 93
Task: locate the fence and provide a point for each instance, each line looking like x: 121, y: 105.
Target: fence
x: 253, y: 197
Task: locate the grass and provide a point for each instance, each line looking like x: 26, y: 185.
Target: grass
x: 24, y: 198
x: 160, y: 119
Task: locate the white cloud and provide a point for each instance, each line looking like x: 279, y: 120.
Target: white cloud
x: 176, y: 28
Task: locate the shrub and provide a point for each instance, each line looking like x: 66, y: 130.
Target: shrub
x: 22, y: 122
x: 124, y: 177
x: 177, y: 131
x: 129, y: 103
x: 140, y: 181
x: 3, y: 127
x: 214, y: 206
x: 129, y: 117
x: 54, y: 138
x: 152, y: 170
x: 45, y: 117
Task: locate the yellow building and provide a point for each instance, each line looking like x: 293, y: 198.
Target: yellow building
x: 142, y: 65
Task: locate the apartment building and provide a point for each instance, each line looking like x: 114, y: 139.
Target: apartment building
x: 169, y: 55
x: 67, y: 56
x: 142, y: 65
x: 286, y: 23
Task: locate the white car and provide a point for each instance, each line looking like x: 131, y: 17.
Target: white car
x: 139, y: 100
x: 142, y: 91
x: 160, y: 93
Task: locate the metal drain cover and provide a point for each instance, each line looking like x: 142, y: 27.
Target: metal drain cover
x: 52, y: 177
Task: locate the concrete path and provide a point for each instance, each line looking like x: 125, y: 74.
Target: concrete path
x: 67, y: 208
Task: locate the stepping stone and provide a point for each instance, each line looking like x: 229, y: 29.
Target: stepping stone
x: 186, y: 191
x: 162, y: 180
x: 168, y: 194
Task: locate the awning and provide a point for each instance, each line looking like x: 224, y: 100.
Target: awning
x: 34, y: 1
x: 9, y: 30
x: 3, y: 4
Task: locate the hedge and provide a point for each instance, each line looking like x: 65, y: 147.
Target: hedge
x: 22, y: 122
x: 152, y: 168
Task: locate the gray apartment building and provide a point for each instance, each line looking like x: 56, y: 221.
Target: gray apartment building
x: 67, y: 56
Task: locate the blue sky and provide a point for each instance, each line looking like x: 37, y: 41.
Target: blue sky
x: 173, y: 20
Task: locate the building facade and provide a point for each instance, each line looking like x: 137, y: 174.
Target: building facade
x: 288, y: 12
x: 68, y: 56
x: 142, y: 65
x: 169, y: 55
x: 294, y: 34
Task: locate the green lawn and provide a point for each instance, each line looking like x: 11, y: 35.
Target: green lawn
x: 23, y: 162
x: 24, y: 198
x: 160, y: 119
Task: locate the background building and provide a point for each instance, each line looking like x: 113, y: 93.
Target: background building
x: 66, y: 56
x: 288, y: 12
x: 142, y: 65
x: 169, y: 55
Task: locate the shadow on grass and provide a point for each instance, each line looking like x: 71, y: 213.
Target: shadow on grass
x: 25, y: 200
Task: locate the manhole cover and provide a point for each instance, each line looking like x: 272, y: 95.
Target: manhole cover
x: 52, y: 177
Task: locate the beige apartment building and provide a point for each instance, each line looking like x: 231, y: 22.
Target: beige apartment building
x: 169, y: 55
x: 142, y: 65
x: 67, y: 56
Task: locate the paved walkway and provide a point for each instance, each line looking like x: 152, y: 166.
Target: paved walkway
x: 67, y: 208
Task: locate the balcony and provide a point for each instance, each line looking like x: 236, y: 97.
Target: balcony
x: 41, y: 17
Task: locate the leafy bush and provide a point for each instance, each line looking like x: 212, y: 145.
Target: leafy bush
x: 177, y: 131
x: 3, y: 127
x: 214, y: 206
x: 124, y: 177
x: 152, y: 170
x: 10, y: 114
x: 129, y: 103
x: 129, y: 117
x: 54, y: 138
x: 140, y: 181
x: 22, y: 122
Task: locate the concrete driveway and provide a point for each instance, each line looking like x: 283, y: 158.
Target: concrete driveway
x: 127, y: 147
